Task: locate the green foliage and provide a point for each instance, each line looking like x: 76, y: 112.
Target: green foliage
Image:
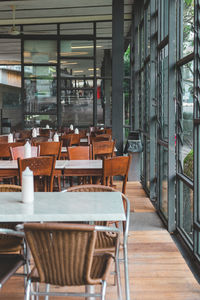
x: 188, y: 2
x: 188, y: 165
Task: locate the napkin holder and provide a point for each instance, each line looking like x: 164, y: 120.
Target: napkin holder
x: 27, y: 150
x: 56, y: 137
x: 10, y: 138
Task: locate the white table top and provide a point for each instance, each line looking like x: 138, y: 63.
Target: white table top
x: 52, y: 207
x: 60, y: 164
x: 12, y: 164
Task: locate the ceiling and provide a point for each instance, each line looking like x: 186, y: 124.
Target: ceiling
x: 39, y: 17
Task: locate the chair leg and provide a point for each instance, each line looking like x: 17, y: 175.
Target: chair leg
x: 28, y: 290
x: 126, y: 277
x: 47, y: 290
x: 103, y: 290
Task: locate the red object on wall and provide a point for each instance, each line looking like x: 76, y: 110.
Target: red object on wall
x: 98, y: 92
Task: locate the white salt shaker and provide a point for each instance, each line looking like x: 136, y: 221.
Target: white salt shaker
x: 27, y: 150
x: 56, y: 137
x: 76, y: 131
x: 71, y: 127
x: 34, y: 133
x: 10, y: 138
x: 27, y: 186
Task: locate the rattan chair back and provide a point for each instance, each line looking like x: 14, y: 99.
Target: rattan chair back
x: 102, y: 149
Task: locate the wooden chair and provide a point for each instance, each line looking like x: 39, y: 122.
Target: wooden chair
x: 64, y: 255
x: 116, y: 166
x: 100, y: 138
x: 42, y: 166
x: 19, y: 151
x: 5, y: 149
x: 75, y: 139
x: 102, y: 149
x: 3, y: 139
x: 50, y: 148
x: 79, y: 153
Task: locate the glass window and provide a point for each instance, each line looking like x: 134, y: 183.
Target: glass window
x: 186, y: 209
x: 163, y: 159
x: 38, y: 51
x: 188, y: 25
x: 40, y: 121
x: 186, y: 118
x: 40, y: 89
x: 76, y: 48
x: 163, y: 93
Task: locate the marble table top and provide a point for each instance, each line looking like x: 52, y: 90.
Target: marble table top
x: 62, y: 206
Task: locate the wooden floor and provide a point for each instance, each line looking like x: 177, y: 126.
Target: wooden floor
x: 157, y: 269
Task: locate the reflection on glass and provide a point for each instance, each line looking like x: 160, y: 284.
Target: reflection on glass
x: 163, y: 159
x: 188, y: 24
x: 147, y: 172
x: 78, y: 67
x: 186, y: 209
x: 38, y: 51
x: 186, y: 134
x: 40, y: 89
x: 76, y: 48
x: 163, y: 77
x: 40, y: 121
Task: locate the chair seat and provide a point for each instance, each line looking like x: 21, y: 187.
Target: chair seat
x: 10, y: 244
x: 9, y: 264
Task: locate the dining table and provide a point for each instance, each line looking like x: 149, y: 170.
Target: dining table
x: 62, y: 167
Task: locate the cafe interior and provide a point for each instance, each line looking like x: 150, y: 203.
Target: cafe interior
x: 100, y: 97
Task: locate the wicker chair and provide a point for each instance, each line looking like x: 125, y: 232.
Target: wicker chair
x: 10, y: 243
x: 42, y: 166
x: 64, y: 255
x: 105, y: 241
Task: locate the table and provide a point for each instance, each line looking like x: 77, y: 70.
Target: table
x: 60, y: 206
x: 66, y: 167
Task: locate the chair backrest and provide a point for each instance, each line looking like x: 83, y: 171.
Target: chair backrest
x: 102, y: 149
x: 66, y: 140
x: 50, y: 149
x: 5, y: 149
x: 100, y: 137
x: 116, y: 166
x: 3, y: 139
x: 75, y: 139
x: 62, y: 253
x: 19, y: 151
x: 79, y: 153
x: 104, y: 240
x: 41, y: 166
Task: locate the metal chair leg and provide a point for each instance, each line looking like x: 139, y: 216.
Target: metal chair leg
x: 47, y: 290
x: 28, y: 289
x: 103, y: 290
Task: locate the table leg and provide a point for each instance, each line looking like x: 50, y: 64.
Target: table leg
x: 90, y: 289
x: 126, y: 277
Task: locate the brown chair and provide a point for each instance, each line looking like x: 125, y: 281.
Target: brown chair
x: 79, y: 153
x: 102, y: 149
x: 50, y: 148
x: 116, y: 166
x: 100, y: 138
x: 106, y: 241
x: 75, y: 139
x: 19, y: 151
x: 10, y: 243
x: 66, y: 140
x: 42, y: 166
x: 5, y: 149
x: 64, y: 255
